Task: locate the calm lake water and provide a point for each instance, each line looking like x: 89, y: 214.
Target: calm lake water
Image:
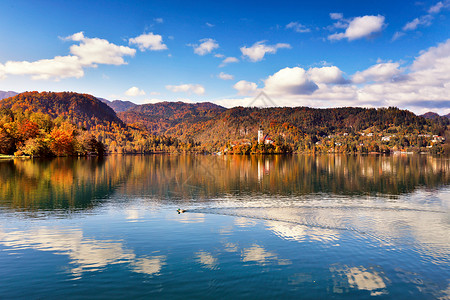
x: 273, y: 227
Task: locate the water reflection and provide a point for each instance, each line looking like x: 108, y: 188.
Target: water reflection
x: 149, y: 265
x: 261, y: 256
x: 59, y: 183
x: 85, y: 254
x: 361, y: 278
x: 83, y: 183
x: 207, y: 260
x: 302, y: 233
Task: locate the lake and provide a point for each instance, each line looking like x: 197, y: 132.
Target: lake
x: 255, y: 227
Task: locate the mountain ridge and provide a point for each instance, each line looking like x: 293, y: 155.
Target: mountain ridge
x: 205, y: 126
x: 82, y: 109
x: 7, y: 94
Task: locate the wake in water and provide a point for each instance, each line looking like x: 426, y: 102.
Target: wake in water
x: 387, y: 224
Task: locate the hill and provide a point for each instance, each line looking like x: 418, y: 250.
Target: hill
x: 8, y: 94
x: 212, y: 124
x: 304, y: 129
x: 118, y: 105
x: 82, y: 110
x: 33, y: 118
x: 171, y: 118
x: 62, y: 124
x: 430, y: 115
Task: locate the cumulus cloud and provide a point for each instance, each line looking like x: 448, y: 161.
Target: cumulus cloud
x: 330, y: 75
x: 259, y: 49
x: 294, y: 81
x: 149, y: 41
x: 206, y: 46
x: 55, y: 68
x: 134, y: 91
x: 297, y: 27
x: 424, y: 85
x: 79, y: 36
x: 89, y: 53
x: 92, y: 51
x: 246, y: 88
x: 187, y: 88
x: 228, y: 60
x: 225, y: 76
x: 360, y: 27
x: 380, y: 72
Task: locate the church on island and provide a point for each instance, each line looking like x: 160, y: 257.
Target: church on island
x: 263, y: 139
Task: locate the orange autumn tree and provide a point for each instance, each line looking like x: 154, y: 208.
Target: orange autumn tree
x: 62, y: 140
x: 27, y: 130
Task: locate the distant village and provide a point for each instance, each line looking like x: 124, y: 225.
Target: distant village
x: 365, y: 141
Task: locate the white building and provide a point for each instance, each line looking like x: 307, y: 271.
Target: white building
x: 260, y: 136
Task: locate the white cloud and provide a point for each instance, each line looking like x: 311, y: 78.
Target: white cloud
x: 328, y: 75
x: 79, y: 36
x: 434, y: 58
x: 336, y: 16
x: 423, y: 20
x: 292, y: 81
x: 92, y: 51
x: 159, y: 20
x: 426, y: 20
x: 246, y: 88
x: 219, y: 55
x: 187, y: 88
x: 397, y: 35
x: 229, y: 60
x: 424, y: 85
x: 149, y: 41
x: 134, y: 91
x: 209, y: 24
x: 360, y: 27
x: 89, y: 53
x: 383, y: 72
x: 225, y: 76
x: 206, y: 46
x: 55, y: 68
x: 437, y: 7
x: 259, y: 49
x: 298, y: 27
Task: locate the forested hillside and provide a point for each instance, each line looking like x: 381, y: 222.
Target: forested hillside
x: 172, y: 118
x: 31, y: 123
x: 60, y: 124
x: 82, y: 110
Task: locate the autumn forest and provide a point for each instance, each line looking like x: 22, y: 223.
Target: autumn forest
x: 71, y: 124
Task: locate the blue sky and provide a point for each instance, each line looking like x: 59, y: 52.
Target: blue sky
x: 301, y: 53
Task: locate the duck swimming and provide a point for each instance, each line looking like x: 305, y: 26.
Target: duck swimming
x: 181, y: 211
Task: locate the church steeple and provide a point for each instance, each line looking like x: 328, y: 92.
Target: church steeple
x: 260, y: 135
